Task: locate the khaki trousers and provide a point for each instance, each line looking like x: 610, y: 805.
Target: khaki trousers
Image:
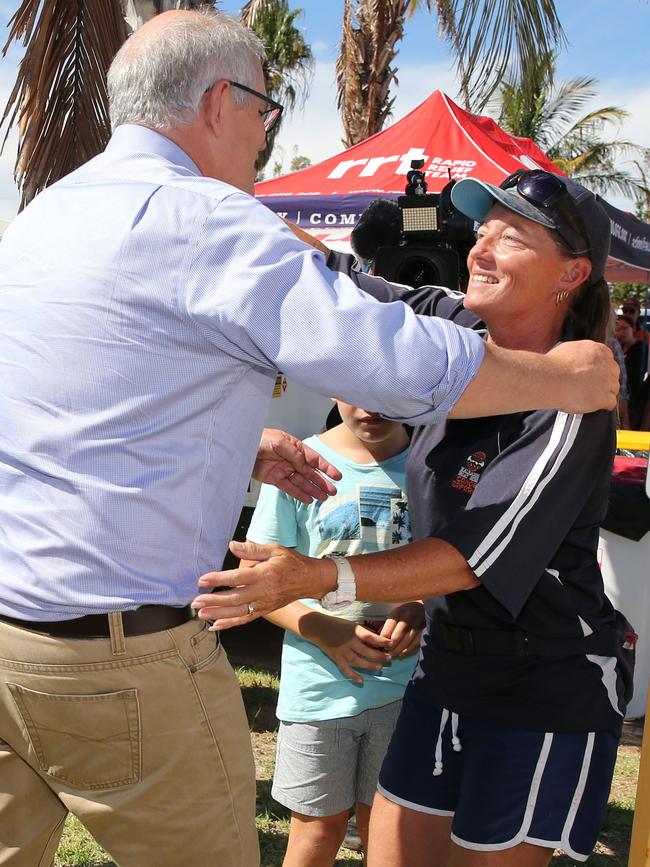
x: 145, y: 739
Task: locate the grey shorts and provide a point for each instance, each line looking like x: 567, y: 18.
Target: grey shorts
x: 327, y: 766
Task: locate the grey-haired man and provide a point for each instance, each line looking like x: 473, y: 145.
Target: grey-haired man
x: 147, y: 303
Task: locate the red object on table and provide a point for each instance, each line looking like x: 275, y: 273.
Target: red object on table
x: 630, y: 470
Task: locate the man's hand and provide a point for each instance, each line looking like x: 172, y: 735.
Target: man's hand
x: 281, y: 576
x: 286, y: 462
x: 590, y: 376
x: 404, y: 627
x: 349, y: 644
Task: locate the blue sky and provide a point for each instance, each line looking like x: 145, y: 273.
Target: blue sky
x: 608, y: 41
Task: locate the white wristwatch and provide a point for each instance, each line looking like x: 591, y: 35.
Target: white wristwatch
x: 346, y: 589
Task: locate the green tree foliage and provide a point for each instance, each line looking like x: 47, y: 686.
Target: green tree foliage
x: 298, y: 162
x: 554, y: 115
x: 289, y: 59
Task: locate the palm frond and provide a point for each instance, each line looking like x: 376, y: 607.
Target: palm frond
x: 251, y: 11
x: 550, y: 114
x: 610, y: 179
x: 59, y: 99
x: 489, y: 37
x: 561, y: 104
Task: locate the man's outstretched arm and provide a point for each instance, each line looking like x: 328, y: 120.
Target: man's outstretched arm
x: 579, y: 376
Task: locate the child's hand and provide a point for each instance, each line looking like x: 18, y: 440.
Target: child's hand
x: 349, y: 644
x: 404, y: 627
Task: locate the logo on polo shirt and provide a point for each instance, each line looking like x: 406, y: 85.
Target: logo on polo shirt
x: 469, y: 474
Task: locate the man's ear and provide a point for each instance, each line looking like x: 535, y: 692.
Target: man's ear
x: 213, y: 105
x: 575, y: 273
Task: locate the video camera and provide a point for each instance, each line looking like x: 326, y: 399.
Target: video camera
x: 434, y: 238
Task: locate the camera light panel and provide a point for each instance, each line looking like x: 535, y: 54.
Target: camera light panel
x: 420, y: 219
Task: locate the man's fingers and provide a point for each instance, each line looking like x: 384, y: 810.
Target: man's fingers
x: 228, y: 622
x: 370, y: 654
x: 413, y: 646
x: 307, y: 486
x: 362, y: 659
x: 388, y: 627
x: 315, y: 462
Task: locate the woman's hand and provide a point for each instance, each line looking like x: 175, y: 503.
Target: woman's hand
x: 348, y: 644
x: 281, y: 576
x: 286, y: 462
x: 404, y: 627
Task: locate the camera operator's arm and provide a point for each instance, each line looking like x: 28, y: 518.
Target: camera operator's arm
x: 425, y: 300
x: 307, y: 238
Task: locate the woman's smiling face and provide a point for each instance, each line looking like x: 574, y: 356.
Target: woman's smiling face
x: 514, y: 267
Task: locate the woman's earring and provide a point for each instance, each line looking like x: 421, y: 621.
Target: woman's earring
x: 561, y: 296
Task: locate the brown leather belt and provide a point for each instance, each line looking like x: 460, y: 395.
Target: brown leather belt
x: 149, y: 618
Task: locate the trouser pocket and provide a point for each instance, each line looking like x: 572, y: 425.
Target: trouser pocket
x: 87, y: 741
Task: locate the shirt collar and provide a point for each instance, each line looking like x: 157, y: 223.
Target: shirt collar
x: 130, y: 138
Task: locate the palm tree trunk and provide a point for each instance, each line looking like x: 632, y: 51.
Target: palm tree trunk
x: 371, y: 28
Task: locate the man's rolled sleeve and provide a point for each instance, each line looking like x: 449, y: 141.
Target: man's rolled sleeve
x: 260, y: 294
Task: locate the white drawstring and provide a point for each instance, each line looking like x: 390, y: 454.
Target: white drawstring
x: 455, y: 740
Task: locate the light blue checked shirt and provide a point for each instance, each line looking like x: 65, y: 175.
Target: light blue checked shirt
x: 145, y: 311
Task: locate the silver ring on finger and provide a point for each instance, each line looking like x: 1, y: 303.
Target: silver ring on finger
x: 251, y: 609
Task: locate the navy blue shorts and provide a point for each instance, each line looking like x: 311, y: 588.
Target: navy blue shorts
x: 502, y: 786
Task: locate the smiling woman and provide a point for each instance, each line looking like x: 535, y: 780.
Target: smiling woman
x: 505, y: 746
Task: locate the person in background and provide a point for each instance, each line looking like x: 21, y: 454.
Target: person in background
x: 506, y: 742
x: 623, y: 394
x: 632, y: 308
x: 343, y: 672
x: 378, y: 226
x: 633, y: 351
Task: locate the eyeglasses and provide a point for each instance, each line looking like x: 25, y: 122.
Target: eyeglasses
x: 270, y: 117
x: 629, y: 309
x: 548, y: 191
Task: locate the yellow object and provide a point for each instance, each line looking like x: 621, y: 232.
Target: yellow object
x: 640, y: 845
x: 634, y: 440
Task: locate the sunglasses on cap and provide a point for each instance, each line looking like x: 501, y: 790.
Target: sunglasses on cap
x: 548, y: 192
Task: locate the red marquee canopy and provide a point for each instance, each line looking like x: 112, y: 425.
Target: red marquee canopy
x: 327, y: 198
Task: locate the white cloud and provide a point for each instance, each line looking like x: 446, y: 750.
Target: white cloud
x: 636, y: 102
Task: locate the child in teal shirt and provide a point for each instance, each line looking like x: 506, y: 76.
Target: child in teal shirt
x: 335, y: 722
